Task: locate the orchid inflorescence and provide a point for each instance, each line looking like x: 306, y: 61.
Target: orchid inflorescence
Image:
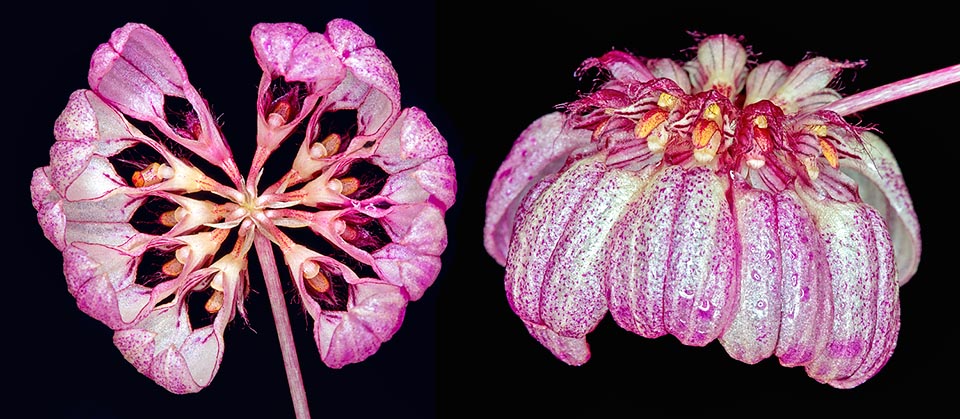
x: 156, y: 248
x: 712, y: 199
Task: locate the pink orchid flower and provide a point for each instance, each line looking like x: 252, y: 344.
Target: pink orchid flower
x: 712, y: 200
x: 155, y: 244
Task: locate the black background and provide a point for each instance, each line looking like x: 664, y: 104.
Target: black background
x: 482, y: 73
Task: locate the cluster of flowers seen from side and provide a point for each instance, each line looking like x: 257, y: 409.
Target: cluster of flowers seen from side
x: 708, y: 200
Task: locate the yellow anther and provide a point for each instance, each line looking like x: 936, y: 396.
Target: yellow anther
x: 173, y: 267
x: 280, y: 114
x: 666, y: 100
x: 331, y: 144
x: 760, y: 121
x: 350, y: 185
x: 706, y: 140
x: 345, y: 186
x: 151, y: 175
x: 703, y: 132
x: 829, y: 153
x: 313, y: 278
x: 648, y: 122
x: 172, y: 217
x: 819, y: 130
x: 712, y: 112
x: 169, y: 218
x: 215, y: 303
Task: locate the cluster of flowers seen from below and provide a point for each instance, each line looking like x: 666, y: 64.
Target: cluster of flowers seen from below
x: 710, y: 201
x: 157, y: 249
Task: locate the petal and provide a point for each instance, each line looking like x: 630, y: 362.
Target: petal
x: 701, y: 284
x: 621, y: 65
x: 720, y: 64
x: 374, y: 314
x: 202, y: 352
x: 101, y: 278
x: 152, y: 348
x: 273, y: 43
x: 314, y: 60
x: 855, y: 267
x: 95, y: 296
x: 291, y: 51
x: 432, y: 181
x: 106, y: 233
x: 97, y: 180
x: 68, y: 160
x: 887, y: 309
x: 170, y: 370
x: 669, y: 69
x: 835, y: 184
x: 807, y: 300
x: 48, y: 204
x: 419, y: 227
x: 135, y: 69
x: 752, y: 336
x: 641, y: 244
x: 371, y: 86
x: 573, y: 351
x: 163, y: 347
x: 805, y: 88
x: 85, y: 128
x: 412, y: 140
x: 137, y: 347
x: 537, y: 235
x: 407, y: 268
x: 882, y: 186
x: 78, y: 121
x: 540, y: 150
x: 764, y: 80
x: 574, y: 294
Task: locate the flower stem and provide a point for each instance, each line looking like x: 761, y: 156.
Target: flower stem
x: 287, y: 346
x: 896, y: 90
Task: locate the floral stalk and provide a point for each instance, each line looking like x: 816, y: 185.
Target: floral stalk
x: 896, y: 90
x: 278, y: 305
x: 712, y: 200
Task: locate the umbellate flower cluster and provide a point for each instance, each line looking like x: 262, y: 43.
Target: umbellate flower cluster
x: 156, y: 248
x: 709, y: 200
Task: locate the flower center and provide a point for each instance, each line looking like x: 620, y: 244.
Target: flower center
x: 766, y: 145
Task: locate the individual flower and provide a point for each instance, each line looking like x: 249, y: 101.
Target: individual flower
x: 711, y: 200
x: 155, y: 244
